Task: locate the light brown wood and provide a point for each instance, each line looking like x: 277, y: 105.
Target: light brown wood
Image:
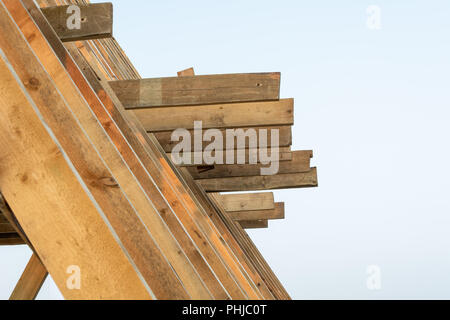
x: 218, y: 116
x: 254, y: 224
x: 43, y: 207
x: 90, y: 169
x: 300, y: 163
x: 277, y: 213
x: 107, y: 51
x: 96, y: 21
x: 255, y: 183
x: 31, y: 281
x: 247, y: 201
x: 285, y: 154
x: 208, y: 89
x: 285, y: 138
x: 166, y: 189
x: 186, y: 73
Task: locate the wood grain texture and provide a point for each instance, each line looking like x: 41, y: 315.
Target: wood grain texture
x: 31, y: 281
x: 97, y: 178
x: 218, y: 116
x: 167, y: 187
x: 276, y: 213
x: 284, y: 133
x: 255, y: 183
x: 300, y: 163
x: 254, y: 224
x: 247, y: 201
x: 285, y: 154
x: 96, y: 21
x: 43, y: 200
x: 197, y: 90
x: 121, y: 68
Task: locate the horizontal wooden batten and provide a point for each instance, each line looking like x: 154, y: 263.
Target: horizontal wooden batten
x: 218, y: 116
x: 255, y: 183
x: 10, y: 239
x: 300, y: 163
x: 276, y: 213
x: 257, y: 224
x: 3, y: 218
x: 197, y: 90
x: 284, y: 132
x: 285, y: 154
x: 6, y: 228
x: 95, y: 21
x: 247, y: 201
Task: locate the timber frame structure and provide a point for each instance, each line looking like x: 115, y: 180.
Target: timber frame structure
x: 86, y: 176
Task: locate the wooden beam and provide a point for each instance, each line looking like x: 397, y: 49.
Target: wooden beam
x: 96, y: 21
x: 254, y: 224
x: 285, y: 154
x: 255, y: 183
x: 300, y: 163
x: 198, y: 90
x: 277, y: 213
x: 31, y: 281
x: 11, y: 239
x: 186, y: 73
x: 247, y: 201
x: 218, y: 116
x: 6, y: 228
x: 284, y: 132
x: 58, y: 229
x: 181, y: 209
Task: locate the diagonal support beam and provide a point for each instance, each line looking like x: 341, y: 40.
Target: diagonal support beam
x: 31, y: 281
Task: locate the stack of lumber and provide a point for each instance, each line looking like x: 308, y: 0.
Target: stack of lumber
x: 86, y: 171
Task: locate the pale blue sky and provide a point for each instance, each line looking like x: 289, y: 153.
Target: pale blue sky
x: 373, y: 105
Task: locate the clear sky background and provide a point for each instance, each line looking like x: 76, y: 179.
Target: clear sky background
x: 373, y: 105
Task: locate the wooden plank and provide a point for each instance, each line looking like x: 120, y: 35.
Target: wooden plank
x: 11, y: 239
x: 284, y: 133
x: 254, y: 224
x: 218, y: 116
x: 31, y: 281
x: 6, y: 228
x: 167, y: 184
x: 96, y: 21
x: 247, y: 201
x: 248, y: 247
x: 277, y: 213
x: 3, y: 218
x: 186, y: 73
x: 255, y: 183
x: 285, y: 154
x: 300, y: 163
x: 198, y: 90
x: 44, y: 207
x: 66, y: 225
